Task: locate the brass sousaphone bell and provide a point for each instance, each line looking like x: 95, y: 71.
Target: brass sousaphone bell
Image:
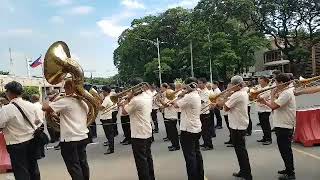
x: 57, y: 64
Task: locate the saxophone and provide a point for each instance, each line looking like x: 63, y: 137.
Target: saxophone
x: 57, y: 65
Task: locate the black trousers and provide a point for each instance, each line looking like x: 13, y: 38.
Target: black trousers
x: 226, y: 119
x: 166, y: 127
x: 155, y: 119
x: 143, y: 158
x: 192, y: 155
x: 218, y: 116
x: 108, y: 128
x: 54, y: 135
x: 179, y: 117
x: 93, y: 130
x: 249, y: 129
x: 173, y: 132
x: 23, y: 161
x: 239, y: 142
x: 115, y: 125
x: 284, y: 137
x: 75, y: 157
x: 205, y: 130
x: 265, y: 125
x: 125, y: 123
x: 212, y: 125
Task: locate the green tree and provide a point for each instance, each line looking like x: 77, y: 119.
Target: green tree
x: 28, y: 91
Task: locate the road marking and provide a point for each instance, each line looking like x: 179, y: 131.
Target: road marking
x: 307, y: 154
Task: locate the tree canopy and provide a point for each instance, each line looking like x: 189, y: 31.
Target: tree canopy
x: 225, y: 32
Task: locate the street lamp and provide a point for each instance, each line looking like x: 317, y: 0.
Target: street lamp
x: 157, y: 44
x: 210, y: 55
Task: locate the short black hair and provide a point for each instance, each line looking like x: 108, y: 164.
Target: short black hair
x: 203, y: 80
x: 190, y: 80
x: 172, y: 86
x: 276, y: 72
x: 165, y: 85
x: 106, y: 89
x: 282, y: 78
x: 136, y: 81
x: 215, y: 82
x: 14, y: 87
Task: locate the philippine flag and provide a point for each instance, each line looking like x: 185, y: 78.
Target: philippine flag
x: 36, y: 63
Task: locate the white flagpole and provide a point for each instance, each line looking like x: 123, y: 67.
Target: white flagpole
x: 28, y: 67
x: 44, y: 80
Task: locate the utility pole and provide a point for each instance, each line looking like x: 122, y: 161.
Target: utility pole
x: 191, y: 59
x: 210, y: 65
x: 159, y: 61
x: 11, y: 63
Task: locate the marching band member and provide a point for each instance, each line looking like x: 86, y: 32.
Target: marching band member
x: 216, y: 111
x: 106, y: 119
x: 171, y: 118
x: 115, y: 115
x: 190, y: 127
x: 154, y: 109
x: 226, y: 119
x: 73, y: 131
x: 205, y: 116
x: 283, y: 105
x: 236, y: 106
x: 164, y: 87
x: 18, y: 133
x: 139, y: 107
x: 125, y: 124
x: 54, y: 135
x: 178, y: 87
x: 264, y: 113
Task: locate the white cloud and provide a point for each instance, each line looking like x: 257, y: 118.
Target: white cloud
x: 81, y: 10
x: 133, y: 4
x: 184, y: 4
x: 57, y: 19
x: 61, y: 2
x: 111, y: 28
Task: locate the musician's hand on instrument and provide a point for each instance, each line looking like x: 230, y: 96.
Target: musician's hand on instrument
x: 297, y: 93
x: 261, y: 100
x: 220, y: 102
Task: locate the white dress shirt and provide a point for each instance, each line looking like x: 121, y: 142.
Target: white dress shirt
x: 107, y: 103
x: 73, y: 118
x: 285, y: 116
x: 154, y: 104
x: 266, y: 95
x: 190, y: 106
x: 216, y: 91
x: 38, y: 106
x: 204, y: 95
x: 15, y: 128
x: 170, y: 112
x: 238, y: 113
x: 139, y: 110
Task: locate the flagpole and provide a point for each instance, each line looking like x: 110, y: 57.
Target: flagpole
x: 44, y: 81
x: 28, y: 67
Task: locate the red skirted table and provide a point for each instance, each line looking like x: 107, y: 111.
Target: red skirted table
x: 308, y: 127
x: 5, y: 163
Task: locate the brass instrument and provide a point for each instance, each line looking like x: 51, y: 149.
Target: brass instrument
x: 57, y: 64
x: 213, y: 98
x: 302, y: 83
x: 137, y: 89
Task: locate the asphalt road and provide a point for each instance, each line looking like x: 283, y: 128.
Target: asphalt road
x: 219, y: 163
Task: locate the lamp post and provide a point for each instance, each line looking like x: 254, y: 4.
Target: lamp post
x: 157, y: 44
x: 210, y: 55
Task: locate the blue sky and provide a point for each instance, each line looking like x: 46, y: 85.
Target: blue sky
x: 89, y: 27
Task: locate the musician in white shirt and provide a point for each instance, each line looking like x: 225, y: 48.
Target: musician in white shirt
x: 264, y: 112
x: 139, y: 107
x: 18, y: 133
x: 190, y: 126
x: 73, y: 131
x: 216, y: 111
x: 205, y: 116
x: 171, y: 118
x: 155, y: 108
x: 237, y: 108
x: 163, y: 88
x: 283, y: 105
x: 106, y: 119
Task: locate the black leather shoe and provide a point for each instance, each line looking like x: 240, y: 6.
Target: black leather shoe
x: 126, y: 143
x: 106, y: 143
x: 109, y: 151
x: 267, y: 143
x: 228, y: 142
x: 236, y: 174
x: 218, y: 127
x: 287, y: 177
x: 207, y: 148
x: 261, y: 140
x: 166, y: 139
x: 202, y: 145
x: 172, y: 148
x: 282, y: 172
